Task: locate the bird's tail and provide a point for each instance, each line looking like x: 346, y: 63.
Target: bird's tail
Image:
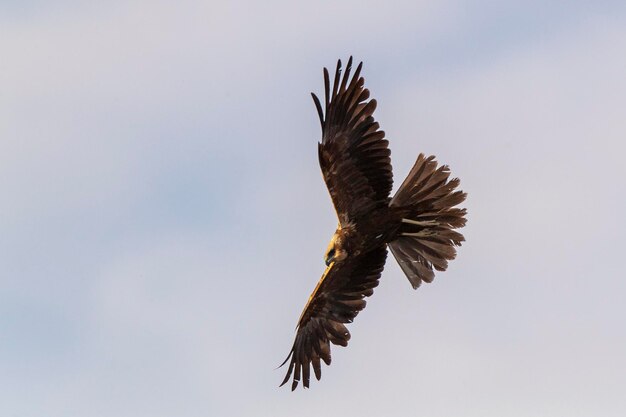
x: 426, y: 238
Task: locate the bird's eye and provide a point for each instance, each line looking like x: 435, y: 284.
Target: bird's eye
x: 331, y: 253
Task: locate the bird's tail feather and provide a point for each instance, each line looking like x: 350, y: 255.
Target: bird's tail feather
x: 426, y: 239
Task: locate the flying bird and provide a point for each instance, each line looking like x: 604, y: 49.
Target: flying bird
x: 417, y: 225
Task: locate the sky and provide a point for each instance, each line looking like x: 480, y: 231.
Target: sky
x: 163, y: 217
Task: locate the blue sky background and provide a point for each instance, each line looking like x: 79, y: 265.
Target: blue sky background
x: 163, y: 218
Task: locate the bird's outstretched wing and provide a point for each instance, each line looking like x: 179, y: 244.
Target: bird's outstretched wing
x: 353, y: 153
x: 337, y: 299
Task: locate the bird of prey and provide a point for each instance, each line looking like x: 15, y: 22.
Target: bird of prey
x: 417, y: 224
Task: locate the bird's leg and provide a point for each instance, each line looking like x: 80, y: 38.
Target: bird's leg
x: 421, y: 233
x: 424, y: 223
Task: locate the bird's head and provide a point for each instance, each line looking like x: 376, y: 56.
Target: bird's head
x: 335, y: 252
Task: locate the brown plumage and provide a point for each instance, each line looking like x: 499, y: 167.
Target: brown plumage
x: 417, y: 223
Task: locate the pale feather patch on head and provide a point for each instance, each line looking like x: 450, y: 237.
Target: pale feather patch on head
x: 335, y: 248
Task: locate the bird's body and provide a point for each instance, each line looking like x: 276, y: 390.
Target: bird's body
x: 416, y: 224
x: 368, y: 233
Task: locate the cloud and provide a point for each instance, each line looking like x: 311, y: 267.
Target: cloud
x: 164, y: 218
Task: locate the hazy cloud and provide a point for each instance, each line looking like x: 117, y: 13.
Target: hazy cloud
x: 163, y: 218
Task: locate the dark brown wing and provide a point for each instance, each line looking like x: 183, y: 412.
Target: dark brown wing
x: 353, y: 153
x: 337, y: 299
